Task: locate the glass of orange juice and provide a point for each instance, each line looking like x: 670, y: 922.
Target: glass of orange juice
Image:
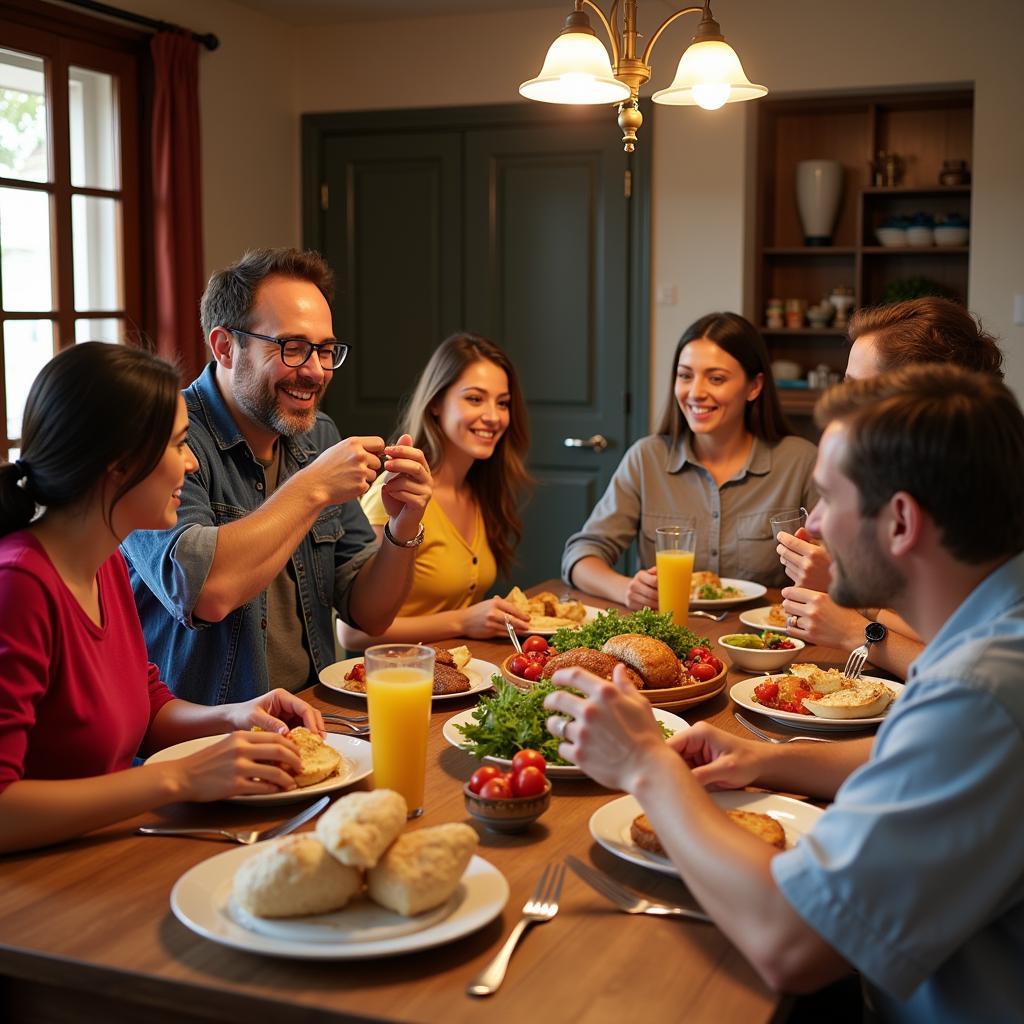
x: 399, y: 685
x: 674, y: 558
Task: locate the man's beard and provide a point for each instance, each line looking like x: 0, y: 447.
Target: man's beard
x: 259, y: 401
x: 876, y: 584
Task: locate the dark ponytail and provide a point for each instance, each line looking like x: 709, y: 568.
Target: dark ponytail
x: 92, y: 407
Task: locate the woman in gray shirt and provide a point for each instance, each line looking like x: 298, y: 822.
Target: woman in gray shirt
x: 723, y: 462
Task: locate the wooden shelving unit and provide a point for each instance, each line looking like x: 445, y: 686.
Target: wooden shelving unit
x: 924, y: 129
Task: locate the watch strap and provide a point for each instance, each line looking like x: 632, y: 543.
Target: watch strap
x: 414, y: 543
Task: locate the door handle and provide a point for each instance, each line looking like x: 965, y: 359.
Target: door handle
x: 598, y: 442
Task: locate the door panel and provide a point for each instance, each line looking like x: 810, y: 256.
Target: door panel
x: 391, y: 233
x: 546, y: 277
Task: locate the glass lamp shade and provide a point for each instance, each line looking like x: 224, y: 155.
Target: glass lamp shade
x: 576, y: 70
x: 709, y: 75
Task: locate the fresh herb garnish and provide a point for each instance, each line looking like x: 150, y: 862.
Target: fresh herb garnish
x: 610, y: 623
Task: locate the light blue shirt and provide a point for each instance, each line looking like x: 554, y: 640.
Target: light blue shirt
x: 916, y: 873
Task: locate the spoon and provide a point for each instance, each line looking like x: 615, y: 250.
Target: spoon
x: 512, y: 635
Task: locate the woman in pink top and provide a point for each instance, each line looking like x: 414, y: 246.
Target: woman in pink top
x: 104, y: 452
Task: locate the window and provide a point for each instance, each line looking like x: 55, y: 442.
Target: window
x: 70, y: 233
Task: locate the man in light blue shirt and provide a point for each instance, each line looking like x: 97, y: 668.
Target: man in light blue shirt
x: 915, y: 874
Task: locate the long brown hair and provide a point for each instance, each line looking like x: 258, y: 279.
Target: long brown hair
x: 763, y: 416
x: 498, y: 483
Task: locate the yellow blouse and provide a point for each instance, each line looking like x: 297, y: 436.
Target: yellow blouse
x: 451, y: 572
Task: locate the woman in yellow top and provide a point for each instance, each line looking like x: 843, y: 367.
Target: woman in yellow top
x: 468, y: 415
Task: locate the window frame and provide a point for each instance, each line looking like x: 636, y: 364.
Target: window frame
x: 64, y: 39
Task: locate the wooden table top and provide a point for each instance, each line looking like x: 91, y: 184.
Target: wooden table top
x: 93, y: 916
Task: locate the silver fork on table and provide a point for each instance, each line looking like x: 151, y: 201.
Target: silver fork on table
x: 245, y: 838
x: 855, y: 662
x: 627, y: 899
x: 767, y: 737
x: 540, y: 907
x: 720, y: 617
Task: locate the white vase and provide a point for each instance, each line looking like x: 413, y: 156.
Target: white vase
x: 819, y: 187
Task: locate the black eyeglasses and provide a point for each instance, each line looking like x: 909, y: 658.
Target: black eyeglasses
x: 295, y: 351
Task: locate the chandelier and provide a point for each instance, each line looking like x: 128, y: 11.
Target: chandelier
x: 577, y: 70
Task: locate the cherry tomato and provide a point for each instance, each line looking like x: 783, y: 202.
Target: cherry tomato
x: 496, y: 789
x: 539, y: 656
x: 528, y: 758
x: 702, y: 672
x: 700, y: 653
x: 482, y: 776
x: 528, y: 782
x: 766, y: 693
x: 714, y: 663
x: 532, y: 671
x: 535, y: 643
x: 518, y: 665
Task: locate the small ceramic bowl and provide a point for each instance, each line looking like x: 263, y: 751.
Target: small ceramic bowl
x: 516, y: 814
x: 948, y: 234
x: 919, y: 234
x: 510, y: 676
x: 891, y: 237
x: 753, y: 660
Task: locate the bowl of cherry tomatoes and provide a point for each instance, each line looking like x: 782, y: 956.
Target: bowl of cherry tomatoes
x: 523, y: 670
x: 509, y: 801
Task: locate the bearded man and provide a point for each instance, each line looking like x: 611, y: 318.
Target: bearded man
x: 236, y: 599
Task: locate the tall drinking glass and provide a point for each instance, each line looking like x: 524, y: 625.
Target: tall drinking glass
x: 789, y: 521
x: 674, y: 558
x: 399, y: 685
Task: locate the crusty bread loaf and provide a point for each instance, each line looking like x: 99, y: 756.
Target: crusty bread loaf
x: 360, y: 826
x: 293, y: 877
x: 598, y: 662
x: 421, y: 869
x: 319, y: 760
x: 761, y: 825
x: 448, y: 679
x: 651, y: 659
x: 862, y: 700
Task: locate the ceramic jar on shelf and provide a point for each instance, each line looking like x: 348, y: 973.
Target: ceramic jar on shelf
x: 819, y: 189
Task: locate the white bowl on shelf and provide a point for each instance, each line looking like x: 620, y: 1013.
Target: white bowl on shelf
x: 948, y: 234
x: 920, y: 235
x: 892, y: 237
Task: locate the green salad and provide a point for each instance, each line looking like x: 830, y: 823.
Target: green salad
x: 511, y: 719
x: 610, y: 623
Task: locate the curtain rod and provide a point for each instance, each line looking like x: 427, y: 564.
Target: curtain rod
x: 209, y: 40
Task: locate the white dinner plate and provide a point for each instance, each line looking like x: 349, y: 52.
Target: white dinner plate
x: 554, y: 771
x: 757, y: 618
x: 747, y: 588
x: 479, y: 674
x: 589, y: 614
x: 357, y: 763
x: 609, y: 824
x: 743, y: 694
x: 201, y: 900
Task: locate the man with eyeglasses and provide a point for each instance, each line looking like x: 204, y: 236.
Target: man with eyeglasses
x: 236, y: 599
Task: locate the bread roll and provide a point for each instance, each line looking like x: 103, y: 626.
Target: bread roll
x: 862, y: 700
x: 319, y: 760
x: 598, y: 662
x: 653, y: 660
x: 359, y: 827
x: 293, y: 877
x: 422, y: 869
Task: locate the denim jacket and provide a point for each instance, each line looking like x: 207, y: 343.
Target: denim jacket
x: 221, y: 662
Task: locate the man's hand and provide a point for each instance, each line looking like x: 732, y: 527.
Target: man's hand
x: 819, y: 620
x: 805, y: 560
x: 407, y: 489
x: 642, y: 590
x: 718, y: 759
x: 346, y: 469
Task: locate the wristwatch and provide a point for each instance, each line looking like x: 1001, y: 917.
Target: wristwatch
x: 414, y: 543
x: 875, y: 633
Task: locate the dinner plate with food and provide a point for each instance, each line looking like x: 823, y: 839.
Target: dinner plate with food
x: 547, y: 613
x: 327, y: 764
x: 357, y: 887
x: 709, y: 590
x: 456, y: 674
x: 829, y: 701
x: 531, y: 715
x: 622, y: 828
x: 770, y: 616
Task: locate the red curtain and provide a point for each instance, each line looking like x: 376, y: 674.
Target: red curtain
x: 177, y: 205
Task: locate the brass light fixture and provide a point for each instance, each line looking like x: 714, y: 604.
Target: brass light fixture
x: 577, y: 69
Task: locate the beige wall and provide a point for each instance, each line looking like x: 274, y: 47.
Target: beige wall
x: 266, y: 73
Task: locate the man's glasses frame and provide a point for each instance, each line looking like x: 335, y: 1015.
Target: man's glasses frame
x: 334, y: 351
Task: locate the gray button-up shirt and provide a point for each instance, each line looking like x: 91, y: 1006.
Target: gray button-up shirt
x: 658, y: 485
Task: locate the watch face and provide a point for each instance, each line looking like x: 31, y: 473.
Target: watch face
x: 875, y: 632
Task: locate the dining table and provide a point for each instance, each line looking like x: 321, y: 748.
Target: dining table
x: 87, y: 931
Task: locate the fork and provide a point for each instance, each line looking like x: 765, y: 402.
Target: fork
x: 333, y: 716
x: 855, y: 662
x: 720, y: 617
x: 245, y: 838
x: 540, y: 907
x: 354, y: 728
x: 512, y: 635
x: 750, y: 727
x: 627, y: 899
